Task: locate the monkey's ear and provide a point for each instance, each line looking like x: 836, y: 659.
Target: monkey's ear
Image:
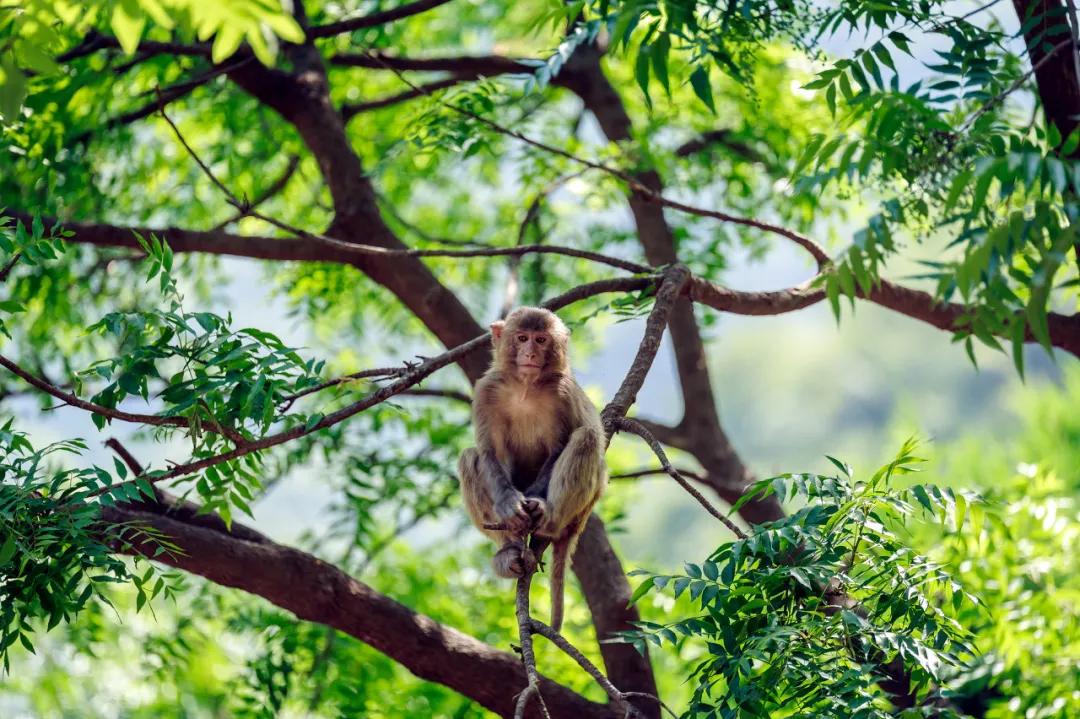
x: 497, y: 329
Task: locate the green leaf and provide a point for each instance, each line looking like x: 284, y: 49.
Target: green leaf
x: 7, y: 551
x: 641, y: 591
x: 12, y: 89
x: 127, y: 23
x: 699, y: 80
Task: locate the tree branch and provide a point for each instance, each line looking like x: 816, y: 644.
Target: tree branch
x: 351, y: 110
x: 630, y: 425
x: 473, y: 65
x: 411, y: 376
x: 648, y: 192
x: 273, y: 189
x: 429, y: 650
x: 671, y: 286
x: 95, y: 41
x: 73, y: 401
x: 374, y: 19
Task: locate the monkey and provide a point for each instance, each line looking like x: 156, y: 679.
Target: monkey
x: 538, y: 465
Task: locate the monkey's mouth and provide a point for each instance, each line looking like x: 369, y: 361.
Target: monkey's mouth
x: 529, y: 366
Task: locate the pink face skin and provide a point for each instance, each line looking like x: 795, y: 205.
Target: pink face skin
x: 530, y: 353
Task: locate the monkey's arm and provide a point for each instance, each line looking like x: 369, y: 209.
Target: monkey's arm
x: 539, y: 487
x: 509, y: 504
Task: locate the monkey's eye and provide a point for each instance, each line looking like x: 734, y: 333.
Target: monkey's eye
x: 541, y: 340
x: 523, y: 338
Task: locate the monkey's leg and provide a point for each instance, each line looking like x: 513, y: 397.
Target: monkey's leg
x: 577, y: 480
x: 513, y: 559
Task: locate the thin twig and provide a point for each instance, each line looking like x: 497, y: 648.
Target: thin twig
x: 1000, y: 97
x: 359, y: 249
x: 574, y: 653
x: 272, y: 189
x: 70, y: 399
x: 6, y: 270
x: 816, y: 251
x: 413, y: 377
x: 648, y: 472
x: 635, y: 427
x: 362, y: 374
x: 671, y: 286
x: 351, y: 110
x: 445, y: 393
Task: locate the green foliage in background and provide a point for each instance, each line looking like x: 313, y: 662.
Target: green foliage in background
x: 882, y: 149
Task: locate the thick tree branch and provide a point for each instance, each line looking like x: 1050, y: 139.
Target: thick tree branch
x: 1055, y: 70
x: 473, y: 65
x: 428, y: 649
x: 919, y: 305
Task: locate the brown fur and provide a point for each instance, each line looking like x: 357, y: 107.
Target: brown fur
x: 531, y: 421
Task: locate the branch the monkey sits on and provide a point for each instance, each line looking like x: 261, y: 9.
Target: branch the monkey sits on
x: 538, y: 465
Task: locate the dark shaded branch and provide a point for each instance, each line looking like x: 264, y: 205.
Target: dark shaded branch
x: 723, y: 138
x: 429, y: 650
x: 95, y: 41
x: 374, y: 19
x: 1056, y: 75
x: 5, y: 271
x: 472, y: 65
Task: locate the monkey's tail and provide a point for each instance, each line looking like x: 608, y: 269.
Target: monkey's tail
x: 559, y: 554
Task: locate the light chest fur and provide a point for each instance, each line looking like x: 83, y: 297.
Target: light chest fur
x: 528, y: 427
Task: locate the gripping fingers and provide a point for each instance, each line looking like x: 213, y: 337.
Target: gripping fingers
x: 536, y: 509
x: 512, y: 512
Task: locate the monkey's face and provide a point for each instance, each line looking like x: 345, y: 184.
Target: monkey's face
x: 531, y: 351
x: 530, y: 343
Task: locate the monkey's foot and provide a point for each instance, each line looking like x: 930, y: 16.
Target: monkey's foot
x: 514, y: 560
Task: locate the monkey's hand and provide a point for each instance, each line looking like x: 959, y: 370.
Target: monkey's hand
x: 515, y: 510
x: 538, y: 510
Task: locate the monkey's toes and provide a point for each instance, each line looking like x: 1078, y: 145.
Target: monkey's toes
x: 514, y: 561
